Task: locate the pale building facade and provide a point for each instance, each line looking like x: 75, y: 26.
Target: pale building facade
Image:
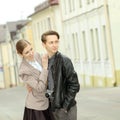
x: 91, y: 30
x: 26, y: 32
x: 47, y: 16
x: 1, y: 69
x: 8, y: 59
x: 8, y: 70
x: 2, y: 40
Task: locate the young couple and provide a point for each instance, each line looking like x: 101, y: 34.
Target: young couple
x: 51, y: 78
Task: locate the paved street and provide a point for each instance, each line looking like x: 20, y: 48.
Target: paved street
x: 12, y: 103
x: 99, y: 104
x: 93, y: 104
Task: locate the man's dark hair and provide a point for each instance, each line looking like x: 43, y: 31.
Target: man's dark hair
x: 50, y: 32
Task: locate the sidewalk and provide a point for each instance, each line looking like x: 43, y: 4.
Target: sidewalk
x: 99, y: 104
x: 12, y: 103
x: 93, y: 104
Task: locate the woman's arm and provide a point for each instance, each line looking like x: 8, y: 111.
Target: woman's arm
x: 39, y: 84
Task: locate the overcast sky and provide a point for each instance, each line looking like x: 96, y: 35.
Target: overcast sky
x: 13, y: 10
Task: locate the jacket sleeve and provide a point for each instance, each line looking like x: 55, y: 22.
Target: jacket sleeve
x: 72, y: 83
x: 38, y: 85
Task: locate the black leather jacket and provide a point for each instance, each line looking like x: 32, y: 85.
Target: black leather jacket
x: 66, y: 83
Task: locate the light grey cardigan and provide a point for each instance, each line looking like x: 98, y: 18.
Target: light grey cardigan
x: 37, y: 80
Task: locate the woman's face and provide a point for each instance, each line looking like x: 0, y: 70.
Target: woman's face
x: 28, y: 53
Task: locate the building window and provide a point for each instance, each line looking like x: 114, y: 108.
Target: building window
x: 42, y: 25
x: 88, y: 1
x: 70, y: 5
x: 49, y: 23
x: 34, y: 31
x: 76, y: 46
x: 105, y: 49
x: 97, y: 47
x: 80, y: 3
x: 64, y: 7
x: 84, y: 46
x: 73, y: 5
x: 45, y: 24
x: 38, y: 29
x: 92, y: 45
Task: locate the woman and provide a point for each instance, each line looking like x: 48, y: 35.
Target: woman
x: 33, y: 71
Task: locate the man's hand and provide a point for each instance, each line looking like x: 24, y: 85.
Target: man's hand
x: 64, y: 110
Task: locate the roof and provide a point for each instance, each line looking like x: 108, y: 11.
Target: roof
x: 46, y: 4
x: 14, y: 26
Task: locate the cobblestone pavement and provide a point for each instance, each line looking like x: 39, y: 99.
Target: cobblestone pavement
x: 93, y: 104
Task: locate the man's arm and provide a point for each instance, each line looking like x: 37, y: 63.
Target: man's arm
x: 72, y: 83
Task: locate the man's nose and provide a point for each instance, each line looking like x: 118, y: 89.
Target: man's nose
x: 54, y: 44
x: 31, y: 52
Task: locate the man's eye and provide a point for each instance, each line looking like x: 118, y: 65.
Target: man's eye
x: 26, y: 52
x: 57, y: 42
x: 51, y: 42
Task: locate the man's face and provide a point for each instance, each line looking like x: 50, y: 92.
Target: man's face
x: 52, y: 44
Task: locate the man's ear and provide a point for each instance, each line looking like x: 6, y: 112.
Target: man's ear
x: 43, y: 44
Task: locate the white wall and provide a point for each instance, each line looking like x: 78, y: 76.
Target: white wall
x: 114, y: 15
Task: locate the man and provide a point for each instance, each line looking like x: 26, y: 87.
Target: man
x: 62, y: 79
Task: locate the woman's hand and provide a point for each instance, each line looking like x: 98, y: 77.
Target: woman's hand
x: 29, y: 89
x: 45, y: 61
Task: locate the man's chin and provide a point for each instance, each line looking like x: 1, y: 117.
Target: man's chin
x: 54, y: 51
